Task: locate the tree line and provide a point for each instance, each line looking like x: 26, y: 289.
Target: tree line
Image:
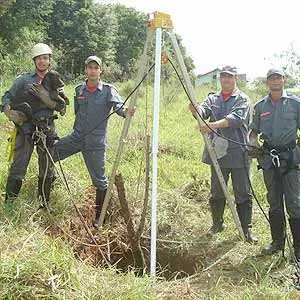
x: 74, y: 29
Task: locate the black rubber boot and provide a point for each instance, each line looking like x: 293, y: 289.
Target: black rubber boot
x: 100, y: 195
x: 44, y: 190
x: 217, y: 210
x: 244, y: 211
x: 12, y: 189
x: 295, y: 229
x: 277, y: 224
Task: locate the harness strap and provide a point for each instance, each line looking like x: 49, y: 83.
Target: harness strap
x: 276, y: 151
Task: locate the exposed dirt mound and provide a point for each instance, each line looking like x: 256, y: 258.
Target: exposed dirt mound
x: 113, y: 248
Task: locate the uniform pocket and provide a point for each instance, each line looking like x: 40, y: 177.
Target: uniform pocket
x: 296, y: 155
x: 289, y: 120
x: 266, y: 124
x: 289, y: 115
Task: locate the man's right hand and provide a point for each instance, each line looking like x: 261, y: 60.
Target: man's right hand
x: 15, y: 116
x: 193, y: 109
x: 5, y: 107
x: 253, y: 147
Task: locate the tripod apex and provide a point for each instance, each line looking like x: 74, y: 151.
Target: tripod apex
x: 160, y: 20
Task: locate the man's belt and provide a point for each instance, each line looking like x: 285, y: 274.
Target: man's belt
x: 279, y: 148
x: 275, y: 150
x: 44, y: 118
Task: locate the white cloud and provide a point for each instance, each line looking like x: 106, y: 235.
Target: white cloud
x: 242, y: 33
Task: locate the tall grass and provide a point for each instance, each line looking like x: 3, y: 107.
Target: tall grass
x: 34, y: 265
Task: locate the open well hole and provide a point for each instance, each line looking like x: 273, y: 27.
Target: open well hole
x: 173, y: 260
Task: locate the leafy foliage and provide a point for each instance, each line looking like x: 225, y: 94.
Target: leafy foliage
x: 5, y: 5
x: 74, y: 29
x: 131, y: 37
x: 289, y: 60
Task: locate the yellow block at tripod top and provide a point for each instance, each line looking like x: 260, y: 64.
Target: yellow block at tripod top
x: 160, y: 20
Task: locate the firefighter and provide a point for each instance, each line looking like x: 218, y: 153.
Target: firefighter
x: 93, y: 102
x: 228, y: 113
x: 28, y: 86
x: 276, y: 120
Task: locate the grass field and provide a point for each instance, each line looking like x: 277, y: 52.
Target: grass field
x: 39, y: 261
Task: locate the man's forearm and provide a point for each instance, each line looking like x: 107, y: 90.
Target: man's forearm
x: 223, y: 123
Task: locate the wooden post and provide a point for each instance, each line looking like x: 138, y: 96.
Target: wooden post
x: 138, y: 257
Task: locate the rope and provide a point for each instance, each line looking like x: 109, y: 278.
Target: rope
x: 41, y: 137
x: 62, y: 176
x: 295, y: 261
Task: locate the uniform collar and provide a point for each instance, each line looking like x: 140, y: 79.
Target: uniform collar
x: 284, y: 95
x: 37, y: 77
x: 99, y: 87
x: 235, y: 93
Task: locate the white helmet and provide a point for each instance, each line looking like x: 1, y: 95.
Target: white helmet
x: 40, y: 49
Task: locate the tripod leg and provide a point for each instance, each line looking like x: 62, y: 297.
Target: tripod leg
x: 141, y: 73
x: 213, y: 157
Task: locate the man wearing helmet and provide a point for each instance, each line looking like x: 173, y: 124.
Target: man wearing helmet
x: 41, y: 121
x: 93, y: 101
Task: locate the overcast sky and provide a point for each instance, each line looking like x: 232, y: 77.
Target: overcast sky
x: 239, y: 32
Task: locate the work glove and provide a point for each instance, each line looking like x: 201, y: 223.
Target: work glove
x: 39, y: 91
x: 16, y: 116
x: 60, y: 102
x: 5, y: 107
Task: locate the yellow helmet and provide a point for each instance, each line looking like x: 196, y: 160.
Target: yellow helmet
x: 40, y: 49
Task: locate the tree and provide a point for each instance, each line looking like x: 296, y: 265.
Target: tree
x: 131, y: 38
x: 5, y: 5
x: 24, y: 13
x: 80, y: 30
x: 74, y: 29
x: 289, y: 60
x: 21, y: 27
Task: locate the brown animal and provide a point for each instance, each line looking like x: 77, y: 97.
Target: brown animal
x: 23, y: 108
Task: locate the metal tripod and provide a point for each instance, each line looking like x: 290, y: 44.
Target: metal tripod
x: 157, y: 23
